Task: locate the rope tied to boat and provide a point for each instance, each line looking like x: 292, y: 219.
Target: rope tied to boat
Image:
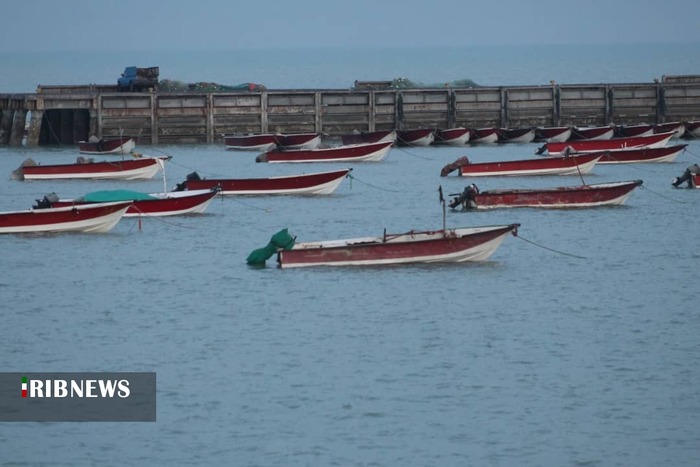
x: 661, y: 196
x: 412, y: 154
x: 352, y: 177
x: 516, y: 235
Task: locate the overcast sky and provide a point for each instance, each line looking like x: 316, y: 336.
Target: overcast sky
x: 126, y: 25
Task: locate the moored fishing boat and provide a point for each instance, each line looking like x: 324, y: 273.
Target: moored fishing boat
x: 557, y: 134
x: 627, y: 131
x: 109, y: 146
x: 678, y: 128
x: 570, y: 165
x: 320, y: 183
x: 583, y: 196
x: 93, y: 218
x: 369, y: 137
x: 419, y: 137
x: 651, y: 141
x: 642, y: 155
x: 692, y: 129
x: 452, y: 136
x: 483, y: 135
x: 294, y: 141
x: 516, y: 135
x: 174, y: 203
x: 141, y: 168
x: 592, y: 133
x: 441, y: 246
x: 370, y: 152
x: 251, y: 142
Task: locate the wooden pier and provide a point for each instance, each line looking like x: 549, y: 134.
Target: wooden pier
x: 68, y: 114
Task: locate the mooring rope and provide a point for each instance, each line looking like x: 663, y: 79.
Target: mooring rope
x: 248, y: 204
x: 549, y: 249
x: 414, y: 155
x: 661, y: 196
x: 352, y: 177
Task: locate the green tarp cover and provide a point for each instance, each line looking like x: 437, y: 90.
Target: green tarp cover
x: 280, y: 240
x: 107, y: 196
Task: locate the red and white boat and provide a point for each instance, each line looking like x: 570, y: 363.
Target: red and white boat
x: 570, y: 165
x: 452, y: 136
x: 132, y: 169
x: 670, y: 127
x: 370, y: 152
x: 369, y: 137
x: 419, y: 137
x: 627, y: 131
x: 320, y: 183
x: 93, y: 218
x: 294, y: 141
x: 516, y: 135
x: 255, y: 142
x: 109, y: 146
x: 441, y: 246
x: 174, y: 203
x: 592, y: 133
x: 483, y: 135
x: 692, y: 129
x: 584, y: 196
x: 631, y: 156
x: 557, y: 134
x: 635, y: 142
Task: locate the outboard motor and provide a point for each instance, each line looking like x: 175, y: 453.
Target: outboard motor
x: 190, y: 176
x: 46, y: 202
x: 687, y: 176
x: 467, y: 198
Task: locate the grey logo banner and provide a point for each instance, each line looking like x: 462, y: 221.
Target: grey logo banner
x: 78, y: 397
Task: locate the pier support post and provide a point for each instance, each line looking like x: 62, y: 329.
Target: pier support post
x: 398, y: 111
x: 210, y: 117
x: 154, y: 119
x: 660, y: 103
x: 34, y: 128
x: 18, y: 124
x: 609, y: 114
x: 6, y: 119
x: 318, y: 111
x: 371, y: 111
x: 451, y: 109
x: 556, y: 105
x: 505, y: 118
x: 264, y: 122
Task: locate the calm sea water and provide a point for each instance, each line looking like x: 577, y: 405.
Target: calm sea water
x: 576, y: 344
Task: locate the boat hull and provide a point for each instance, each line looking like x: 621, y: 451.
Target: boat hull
x: 644, y: 155
x: 371, y: 152
x: 516, y: 135
x: 295, y: 141
x: 483, y: 135
x: 573, y: 165
x: 322, y: 183
x: 651, y: 141
x: 369, y: 137
x: 452, y: 136
x: 584, y: 196
x: 257, y: 142
x: 176, y: 203
x: 420, y: 137
x: 136, y: 169
x: 553, y: 134
x: 451, y: 246
x: 592, y: 134
x: 93, y: 218
x: 115, y: 146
